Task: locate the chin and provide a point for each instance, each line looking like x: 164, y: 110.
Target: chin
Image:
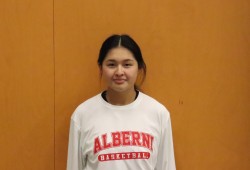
x: 119, y: 88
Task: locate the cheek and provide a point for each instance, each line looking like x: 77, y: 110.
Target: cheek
x: 133, y: 74
x: 107, y: 73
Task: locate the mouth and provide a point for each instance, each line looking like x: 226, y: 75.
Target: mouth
x: 119, y: 81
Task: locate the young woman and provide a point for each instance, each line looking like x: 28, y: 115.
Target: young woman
x: 121, y: 128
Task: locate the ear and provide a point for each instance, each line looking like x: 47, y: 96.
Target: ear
x: 140, y: 78
x: 140, y: 71
x: 100, y: 70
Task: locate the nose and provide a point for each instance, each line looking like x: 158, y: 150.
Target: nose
x: 119, y: 71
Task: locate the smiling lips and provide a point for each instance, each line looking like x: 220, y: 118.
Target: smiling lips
x: 119, y: 81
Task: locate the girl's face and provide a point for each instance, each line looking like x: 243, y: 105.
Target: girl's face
x: 119, y: 70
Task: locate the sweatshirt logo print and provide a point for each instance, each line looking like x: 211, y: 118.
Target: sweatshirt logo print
x: 120, y: 139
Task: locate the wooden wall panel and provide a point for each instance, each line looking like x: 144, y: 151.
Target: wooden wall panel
x: 198, y: 66
x: 26, y: 85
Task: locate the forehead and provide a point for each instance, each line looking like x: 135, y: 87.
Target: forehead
x: 119, y: 54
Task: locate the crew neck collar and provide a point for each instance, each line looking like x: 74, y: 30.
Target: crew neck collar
x: 122, y: 107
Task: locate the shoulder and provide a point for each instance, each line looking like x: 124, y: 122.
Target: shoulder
x: 153, y: 106
x: 152, y: 103
x: 86, y: 107
x: 146, y: 99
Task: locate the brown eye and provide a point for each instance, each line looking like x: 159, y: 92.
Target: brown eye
x: 111, y: 65
x: 127, y: 65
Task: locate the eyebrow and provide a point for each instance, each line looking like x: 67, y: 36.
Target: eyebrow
x: 126, y: 60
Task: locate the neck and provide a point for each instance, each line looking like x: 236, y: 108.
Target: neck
x: 120, y: 98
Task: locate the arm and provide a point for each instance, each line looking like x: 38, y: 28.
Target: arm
x: 74, y: 161
x: 166, y: 160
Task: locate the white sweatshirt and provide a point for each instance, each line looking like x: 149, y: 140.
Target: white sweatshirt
x: 137, y: 136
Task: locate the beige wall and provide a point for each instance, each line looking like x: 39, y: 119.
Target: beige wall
x: 198, y: 60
